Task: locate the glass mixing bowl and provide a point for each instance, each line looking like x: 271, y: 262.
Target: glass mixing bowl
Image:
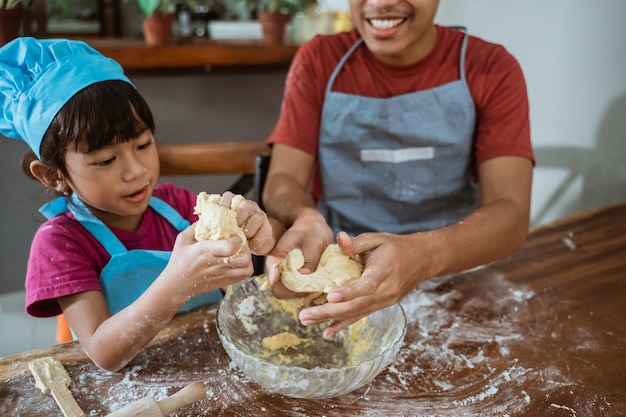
x: 263, y: 337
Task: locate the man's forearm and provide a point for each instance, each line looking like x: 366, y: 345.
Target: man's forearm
x: 284, y: 199
x: 489, y: 233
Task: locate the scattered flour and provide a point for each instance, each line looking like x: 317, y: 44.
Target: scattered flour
x: 462, y: 359
x: 465, y: 359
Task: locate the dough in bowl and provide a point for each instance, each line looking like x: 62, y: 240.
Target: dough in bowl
x: 216, y: 221
x: 333, y: 270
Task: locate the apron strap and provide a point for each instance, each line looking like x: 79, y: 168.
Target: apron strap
x: 338, y: 67
x: 98, y: 229
x: 169, y: 213
x: 463, y: 52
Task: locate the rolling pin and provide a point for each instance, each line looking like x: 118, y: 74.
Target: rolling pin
x: 51, y: 377
x: 149, y: 407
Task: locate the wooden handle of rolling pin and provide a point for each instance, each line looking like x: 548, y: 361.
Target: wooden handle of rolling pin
x: 189, y: 394
x: 149, y: 407
x: 63, y: 397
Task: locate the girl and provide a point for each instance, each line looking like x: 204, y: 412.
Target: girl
x: 117, y: 255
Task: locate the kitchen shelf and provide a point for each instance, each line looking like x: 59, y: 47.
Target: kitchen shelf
x: 135, y: 55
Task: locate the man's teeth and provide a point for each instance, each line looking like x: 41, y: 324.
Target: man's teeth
x: 385, y: 24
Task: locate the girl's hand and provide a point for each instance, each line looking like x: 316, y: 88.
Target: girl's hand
x: 254, y: 223
x: 199, y: 267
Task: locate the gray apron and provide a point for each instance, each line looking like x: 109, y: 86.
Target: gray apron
x: 398, y: 164
x: 128, y: 274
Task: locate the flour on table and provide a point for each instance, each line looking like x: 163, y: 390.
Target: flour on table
x: 462, y: 359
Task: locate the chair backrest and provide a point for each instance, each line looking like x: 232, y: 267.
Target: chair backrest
x: 247, y: 159
x: 260, y: 174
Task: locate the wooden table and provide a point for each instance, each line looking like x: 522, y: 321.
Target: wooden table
x: 539, y: 333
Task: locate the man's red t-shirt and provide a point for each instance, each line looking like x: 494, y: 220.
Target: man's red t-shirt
x: 494, y: 77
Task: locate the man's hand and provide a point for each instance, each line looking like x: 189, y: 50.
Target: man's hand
x: 387, y: 278
x: 312, y: 235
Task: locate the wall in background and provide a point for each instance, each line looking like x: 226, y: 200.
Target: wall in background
x: 573, y: 56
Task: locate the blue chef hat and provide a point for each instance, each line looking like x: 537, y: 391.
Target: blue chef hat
x: 37, y: 78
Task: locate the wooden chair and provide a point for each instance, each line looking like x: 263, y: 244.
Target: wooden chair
x: 247, y: 159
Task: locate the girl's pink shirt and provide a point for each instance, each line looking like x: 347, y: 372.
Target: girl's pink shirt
x: 66, y: 259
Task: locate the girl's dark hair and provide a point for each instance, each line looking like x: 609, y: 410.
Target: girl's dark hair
x: 98, y: 116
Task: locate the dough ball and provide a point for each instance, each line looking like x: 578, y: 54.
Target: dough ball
x: 216, y: 221
x: 283, y: 340
x: 333, y: 270
x: 48, y: 370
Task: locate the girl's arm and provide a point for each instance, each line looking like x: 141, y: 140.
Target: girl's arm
x: 194, y: 268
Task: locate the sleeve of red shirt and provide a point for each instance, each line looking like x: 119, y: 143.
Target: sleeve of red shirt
x: 300, y: 114
x: 498, y: 88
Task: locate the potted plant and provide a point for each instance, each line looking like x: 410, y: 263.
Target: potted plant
x: 158, y: 18
x: 275, y: 14
x: 11, y: 13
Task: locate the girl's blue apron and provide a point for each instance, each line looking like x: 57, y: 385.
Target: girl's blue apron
x: 128, y: 274
x: 398, y: 164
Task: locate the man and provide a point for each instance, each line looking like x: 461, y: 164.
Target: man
x: 415, y: 141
